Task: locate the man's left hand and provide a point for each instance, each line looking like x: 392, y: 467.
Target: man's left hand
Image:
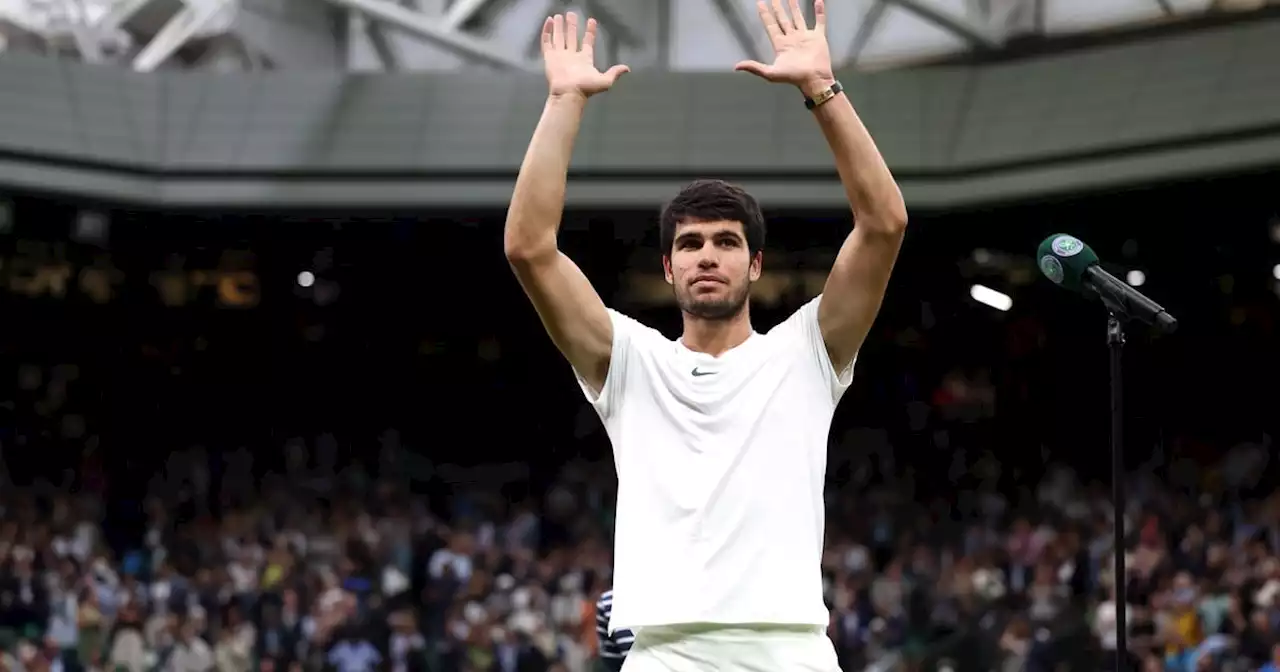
x: 801, y: 54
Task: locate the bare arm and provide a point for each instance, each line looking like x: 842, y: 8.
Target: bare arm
x: 858, y: 279
x: 569, y: 307
x: 860, y: 275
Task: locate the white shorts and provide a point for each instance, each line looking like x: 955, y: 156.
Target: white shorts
x: 715, y: 648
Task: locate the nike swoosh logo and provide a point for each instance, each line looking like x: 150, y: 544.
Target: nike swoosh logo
x: 699, y: 374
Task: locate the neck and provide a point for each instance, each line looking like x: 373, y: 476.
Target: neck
x: 715, y: 337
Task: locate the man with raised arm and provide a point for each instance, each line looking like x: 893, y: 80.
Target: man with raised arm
x: 719, y: 437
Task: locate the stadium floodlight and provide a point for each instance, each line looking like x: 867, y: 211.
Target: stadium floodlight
x: 990, y: 297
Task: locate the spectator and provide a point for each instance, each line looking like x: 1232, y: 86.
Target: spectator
x: 613, y: 646
x: 361, y: 577
x: 1272, y: 665
x: 1105, y: 625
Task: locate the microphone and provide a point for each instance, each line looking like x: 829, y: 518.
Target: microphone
x: 1068, y: 262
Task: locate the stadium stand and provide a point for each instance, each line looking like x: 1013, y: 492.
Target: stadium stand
x: 307, y: 480
x: 271, y: 400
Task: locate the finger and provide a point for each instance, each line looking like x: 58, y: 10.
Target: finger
x: 548, y: 27
x: 571, y: 31
x: 788, y: 24
x: 797, y: 16
x: 770, y: 22
x: 819, y: 15
x: 589, y: 40
x: 756, y: 68
x: 615, y: 72
x: 557, y: 33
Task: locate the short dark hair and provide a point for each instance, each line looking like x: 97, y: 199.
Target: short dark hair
x: 711, y: 201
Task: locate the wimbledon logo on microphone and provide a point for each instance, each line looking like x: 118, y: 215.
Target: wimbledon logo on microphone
x: 1066, y: 246
x: 1051, y: 267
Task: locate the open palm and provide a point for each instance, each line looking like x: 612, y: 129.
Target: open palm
x: 801, y: 53
x: 571, y: 67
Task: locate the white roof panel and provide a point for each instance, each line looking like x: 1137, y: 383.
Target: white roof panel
x: 899, y: 34
x: 916, y: 35
x: 685, y: 35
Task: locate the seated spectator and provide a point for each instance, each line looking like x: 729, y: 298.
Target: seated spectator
x: 613, y: 646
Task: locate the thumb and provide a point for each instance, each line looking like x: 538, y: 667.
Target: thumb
x: 615, y: 72
x: 756, y: 68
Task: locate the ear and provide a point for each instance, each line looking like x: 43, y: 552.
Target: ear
x: 666, y: 270
x: 757, y: 265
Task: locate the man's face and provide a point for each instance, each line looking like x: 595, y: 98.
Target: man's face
x: 711, y: 268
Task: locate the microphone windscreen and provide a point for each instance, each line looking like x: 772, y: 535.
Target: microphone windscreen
x: 1064, y: 259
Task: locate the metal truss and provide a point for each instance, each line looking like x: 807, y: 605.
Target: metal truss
x: 392, y: 35
x: 142, y: 33
x: 435, y: 30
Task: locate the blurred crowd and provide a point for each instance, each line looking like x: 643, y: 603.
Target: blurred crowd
x: 954, y: 542
x: 323, y: 569
x: 304, y: 560
x: 326, y: 568
x: 984, y: 580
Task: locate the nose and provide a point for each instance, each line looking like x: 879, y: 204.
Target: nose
x: 707, y: 261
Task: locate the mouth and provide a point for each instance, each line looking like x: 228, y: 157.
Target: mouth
x: 707, y: 280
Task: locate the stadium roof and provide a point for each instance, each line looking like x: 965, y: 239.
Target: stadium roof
x: 687, y: 35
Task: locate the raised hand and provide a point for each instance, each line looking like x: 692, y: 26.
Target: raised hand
x: 571, y: 68
x: 801, y: 54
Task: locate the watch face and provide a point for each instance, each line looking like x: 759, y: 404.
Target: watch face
x: 823, y: 96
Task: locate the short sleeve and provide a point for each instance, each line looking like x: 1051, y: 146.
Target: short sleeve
x: 626, y: 333
x: 803, y: 327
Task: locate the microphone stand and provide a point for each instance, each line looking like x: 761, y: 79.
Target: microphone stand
x: 1115, y: 345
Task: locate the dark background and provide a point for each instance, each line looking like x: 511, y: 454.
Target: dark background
x: 423, y: 329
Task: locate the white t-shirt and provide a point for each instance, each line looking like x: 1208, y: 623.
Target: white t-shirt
x: 721, y: 463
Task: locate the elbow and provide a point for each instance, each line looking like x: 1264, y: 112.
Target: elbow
x: 894, y: 215
x: 890, y: 223
x: 527, y: 255
x: 885, y: 216
x: 515, y: 252
x: 523, y: 249
x: 896, y: 221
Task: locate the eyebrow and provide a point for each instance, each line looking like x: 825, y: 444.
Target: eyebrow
x: 723, y: 233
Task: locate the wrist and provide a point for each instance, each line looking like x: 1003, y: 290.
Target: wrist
x: 567, y: 98
x: 816, y: 85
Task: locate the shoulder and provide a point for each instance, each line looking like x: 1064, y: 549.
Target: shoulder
x: 801, y: 333
x: 634, y: 345
x: 800, y: 324
x: 632, y: 331
x: 635, y: 341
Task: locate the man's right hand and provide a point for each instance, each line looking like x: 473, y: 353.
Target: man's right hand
x: 571, y: 69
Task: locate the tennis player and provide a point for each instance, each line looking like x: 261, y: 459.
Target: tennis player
x: 719, y: 437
